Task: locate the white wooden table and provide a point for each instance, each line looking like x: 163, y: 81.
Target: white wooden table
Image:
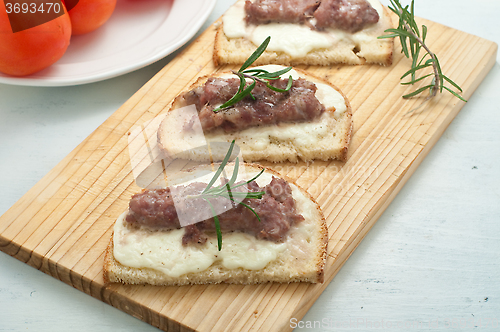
x: 431, y: 263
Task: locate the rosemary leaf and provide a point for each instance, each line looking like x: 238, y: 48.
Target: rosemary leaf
x: 416, y: 80
x: 235, y: 171
x: 416, y: 92
x: 255, y: 71
x: 252, y: 179
x: 251, y: 209
x: 455, y: 94
x: 217, y: 225
x: 288, y: 86
x: 424, y: 32
x: 414, y: 69
x: 394, y: 35
x: 255, y: 177
x: 267, y: 75
x: 452, y: 83
x: 221, y: 167
x: 397, y: 33
x: 411, y: 19
x: 242, y: 93
x: 255, y: 55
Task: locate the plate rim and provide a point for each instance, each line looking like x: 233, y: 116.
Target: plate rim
x: 197, y: 20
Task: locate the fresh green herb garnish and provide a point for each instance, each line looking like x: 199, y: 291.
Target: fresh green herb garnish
x: 227, y: 190
x: 412, y: 42
x: 256, y: 75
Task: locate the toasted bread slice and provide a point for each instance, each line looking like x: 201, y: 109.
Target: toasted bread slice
x: 358, y: 48
x: 324, y: 138
x: 243, y: 259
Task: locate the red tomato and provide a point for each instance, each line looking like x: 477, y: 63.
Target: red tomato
x: 89, y: 15
x: 31, y: 50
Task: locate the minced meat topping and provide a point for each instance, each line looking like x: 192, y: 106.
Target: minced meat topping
x: 347, y: 15
x: 156, y: 210
x: 266, y: 108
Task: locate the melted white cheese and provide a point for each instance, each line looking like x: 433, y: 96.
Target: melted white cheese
x: 301, y: 134
x: 295, y: 40
x: 164, y: 252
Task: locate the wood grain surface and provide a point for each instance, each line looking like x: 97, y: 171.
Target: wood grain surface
x: 63, y: 224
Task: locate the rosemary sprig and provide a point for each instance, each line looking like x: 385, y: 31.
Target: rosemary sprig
x: 256, y: 75
x: 412, y: 42
x: 227, y: 190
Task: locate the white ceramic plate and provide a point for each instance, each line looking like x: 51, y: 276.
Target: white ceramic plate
x: 138, y: 33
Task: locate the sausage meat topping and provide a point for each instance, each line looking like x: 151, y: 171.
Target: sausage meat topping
x: 155, y: 209
x: 347, y: 15
x: 266, y: 108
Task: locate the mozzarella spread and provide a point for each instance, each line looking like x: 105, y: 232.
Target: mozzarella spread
x: 163, y: 250
x: 295, y: 40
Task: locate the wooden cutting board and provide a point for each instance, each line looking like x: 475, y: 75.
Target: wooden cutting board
x: 63, y: 224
